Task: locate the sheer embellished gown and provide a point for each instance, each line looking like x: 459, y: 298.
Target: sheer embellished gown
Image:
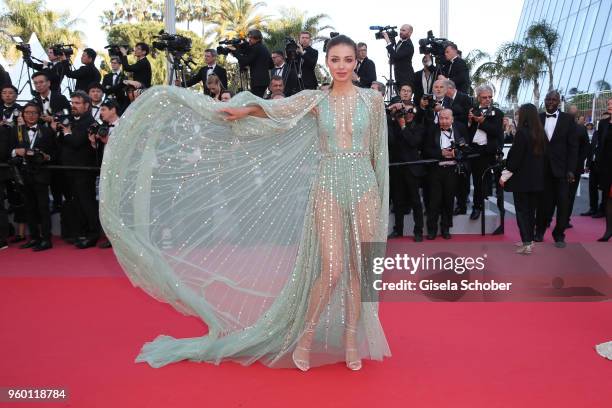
x: 255, y: 226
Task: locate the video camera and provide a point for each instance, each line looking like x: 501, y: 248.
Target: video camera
x: 239, y: 43
x: 390, y: 30
x: 331, y: 35
x: 434, y: 46
x: 291, y: 48
x: 63, y: 118
x: 63, y: 49
x: 22, y: 46
x: 175, y: 44
x: 114, y: 49
x: 99, y: 129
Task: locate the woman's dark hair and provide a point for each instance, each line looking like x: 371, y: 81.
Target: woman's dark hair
x: 529, y: 120
x: 340, y: 39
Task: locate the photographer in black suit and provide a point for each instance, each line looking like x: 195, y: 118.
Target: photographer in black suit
x: 560, y: 163
x: 486, y: 132
x: 258, y: 59
x: 141, y: 69
x: 307, y: 58
x: 55, y: 69
x: 442, y: 143
x: 87, y: 73
x: 424, y: 79
x: 400, y: 55
x: 113, y: 85
x: 32, y: 147
x: 405, y: 145
x: 9, y: 109
x: 210, y: 57
x: 287, y: 72
x: 365, y: 70
x: 430, y: 108
x: 75, y: 150
x: 456, y: 69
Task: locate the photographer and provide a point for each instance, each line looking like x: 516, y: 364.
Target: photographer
x: 276, y: 87
x: 307, y: 58
x: 365, y: 71
x: 33, y: 146
x: 141, y: 69
x: 49, y: 101
x: 432, y: 105
x: 486, y: 132
x: 424, y: 79
x: 405, y: 145
x: 460, y: 103
x: 113, y: 85
x: 400, y: 55
x: 210, y: 57
x: 258, y: 59
x: 9, y: 110
x: 456, y: 69
x: 96, y: 94
x: 54, y: 70
x: 286, y: 72
x: 87, y: 73
x: 446, y: 142
x: 75, y: 150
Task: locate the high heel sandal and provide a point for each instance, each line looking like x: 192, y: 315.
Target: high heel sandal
x: 303, y: 365
x: 352, y: 365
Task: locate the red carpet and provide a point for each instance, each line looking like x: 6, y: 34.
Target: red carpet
x: 71, y: 319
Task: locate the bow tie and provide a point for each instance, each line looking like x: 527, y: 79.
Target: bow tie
x: 45, y: 100
x: 209, y: 67
x: 552, y: 115
x: 446, y: 130
x: 32, y: 129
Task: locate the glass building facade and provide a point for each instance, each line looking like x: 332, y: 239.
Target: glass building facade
x: 582, y: 62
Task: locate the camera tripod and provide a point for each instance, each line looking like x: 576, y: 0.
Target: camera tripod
x: 28, y: 82
x: 179, y: 64
x: 293, y: 68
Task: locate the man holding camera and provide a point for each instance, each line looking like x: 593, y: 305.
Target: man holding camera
x: 424, y: 79
x: 442, y: 143
x: 141, y: 69
x: 210, y: 57
x: 401, y: 54
x: 456, y: 69
x: 486, y: 132
x: 113, y: 85
x: 55, y: 69
x: 10, y: 109
x: 33, y: 146
x: 307, y: 58
x: 258, y: 59
x: 87, y: 73
x: 432, y: 105
x: 75, y: 150
x: 365, y: 70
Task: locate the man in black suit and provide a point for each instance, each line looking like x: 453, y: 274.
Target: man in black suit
x: 113, y: 85
x: 55, y: 69
x: 430, y: 110
x: 603, y: 159
x: 307, y: 58
x: 35, y: 145
x: 75, y: 150
x: 442, y: 180
x: 594, y: 200
x: 87, y: 73
x: 365, y: 70
x: 424, y: 79
x: 456, y: 68
x: 405, y: 145
x: 5, y: 143
x: 400, y: 55
x: 560, y: 164
x: 9, y: 109
x: 141, y: 69
x: 210, y: 57
x: 485, y: 133
x: 287, y: 72
x: 258, y: 59
x: 584, y: 148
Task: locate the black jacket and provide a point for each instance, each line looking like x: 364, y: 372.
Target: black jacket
x: 5, y: 152
x: 562, y: 149
x: 402, y: 59
x: 308, y: 63
x: 584, y: 148
x: 85, y: 76
x: 56, y: 73
x: 10, y: 110
x: 290, y: 78
x: 257, y: 58
x: 117, y: 90
x: 460, y: 106
x: 57, y: 102
x: 603, y: 159
x: 201, y: 76
x: 407, y: 145
x: 366, y: 73
x: 418, y: 89
x: 526, y: 167
x: 45, y: 142
x: 458, y: 71
x: 493, y: 126
x: 75, y: 148
x: 431, y: 146
x: 141, y: 70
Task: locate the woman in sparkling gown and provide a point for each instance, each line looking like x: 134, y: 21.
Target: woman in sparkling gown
x: 254, y: 217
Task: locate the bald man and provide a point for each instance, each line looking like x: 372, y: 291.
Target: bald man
x: 401, y: 54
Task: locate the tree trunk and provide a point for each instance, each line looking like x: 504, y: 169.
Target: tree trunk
x: 550, y: 74
x: 536, y: 93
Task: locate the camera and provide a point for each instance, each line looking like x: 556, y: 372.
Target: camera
x: 239, y: 43
x: 390, y: 30
x: 64, y: 118
x: 331, y: 35
x: 114, y: 49
x: 22, y: 46
x: 434, y: 46
x: 9, y: 117
x: 99, y: 129
x: 486, y: 112
x: 461, y: 151
x: 291, y: 48
x: 172, y: 43
x: 62, y: 49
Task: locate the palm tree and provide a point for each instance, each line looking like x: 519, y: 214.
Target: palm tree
x: 291, y: 23
x: 189, y: 11
x: 544, y: 37
x: 477, y: 74
x: 132, y: 11
x: 234, y: 18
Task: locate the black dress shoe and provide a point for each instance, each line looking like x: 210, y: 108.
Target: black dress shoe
x: 105, y: 245
x: 17, y: 238
x: 418, y: 237
x: 86, y: 243
x: 588, y: 213
x: 70, y: 240
x: 446, y: 235
x: 30, y: 244
x: 499, y: 230
x: 560, y: 244
x: 431, y: 236
x: 538, y: 237
x: 459, y: 211
x: 42, y: 245
x: 394, y: 234
x: 606, y: 237
x: 475, y: 214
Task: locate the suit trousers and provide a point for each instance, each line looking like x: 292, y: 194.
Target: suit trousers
x: 443, y: 182
x: 525, y: 204
x: 83, y: 193
x: 554, y: 196
x: 406, y: 195
x: 37, y: 209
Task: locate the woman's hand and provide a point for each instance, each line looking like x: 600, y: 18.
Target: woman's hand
x: 235, y: 113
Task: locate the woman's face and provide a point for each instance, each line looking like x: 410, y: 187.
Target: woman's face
x: 213, y: 87
x: 341, y: 61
